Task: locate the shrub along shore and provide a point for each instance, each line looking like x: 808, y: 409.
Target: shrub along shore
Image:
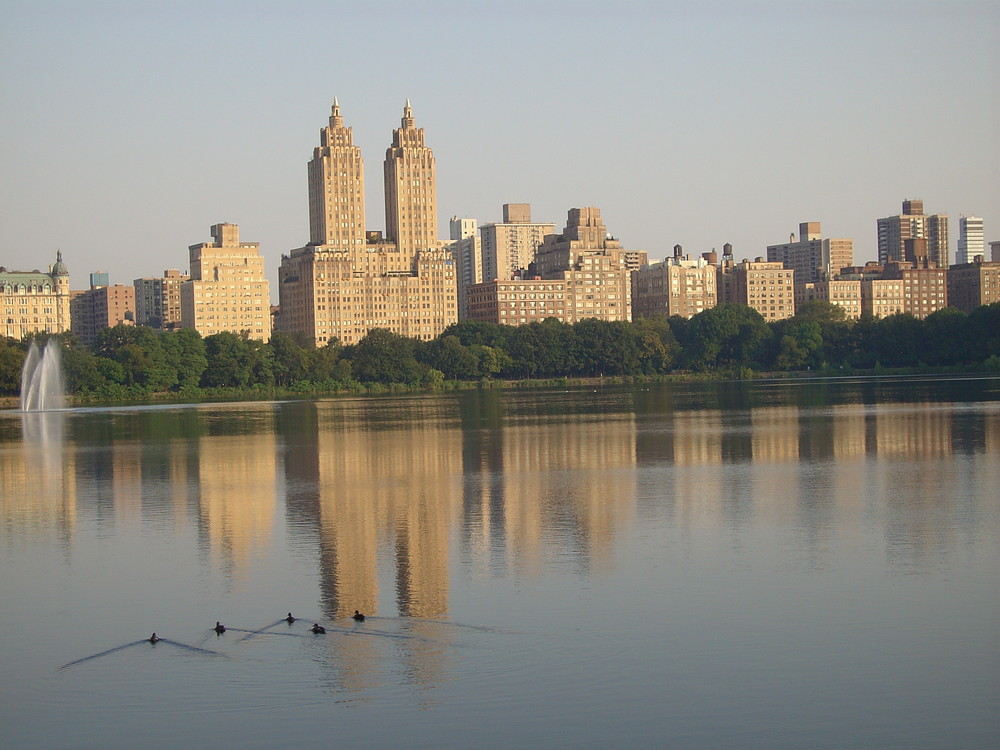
x: 139, y: 364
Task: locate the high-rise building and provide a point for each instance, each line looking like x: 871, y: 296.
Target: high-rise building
x: 585, y: 236
x: 467, y: 249
x: 676, y: 286
x: 973, y: 284
x: 812, y: 257
x: 35, y: 301
x: 410, y: 189
x: 158, y: 300
x: 582, y: 273
x: 104, y: 305
x: 348, y: 280
x: 912, y: 223
x: 924, y: 285
x: 228, y: 290
x: 844, y: 293
x: 510, y: 246
x: 971, y: 240
x: 767, y: 287
x: 337, y: 188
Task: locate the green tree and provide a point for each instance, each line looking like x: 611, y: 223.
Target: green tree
x: 946, y: 340
x: 11, y: 364
x: 185, y: 352
x: 657, y: 343
x: 293, y: 361
x: 451, y: 357
x: 725, y: 335
x: 606, y: 347
x: 385, y: 357
x: 228, y: 356
x: 898, y: 341
x: 984, y: 332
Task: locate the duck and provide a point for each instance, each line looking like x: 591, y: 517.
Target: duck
x: 154, y: 638
x: 317, y: 628
x: 289, y: 619
x: 358, y: 617
x: 219, y: 627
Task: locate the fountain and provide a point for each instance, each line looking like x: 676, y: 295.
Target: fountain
x: 42, y: 387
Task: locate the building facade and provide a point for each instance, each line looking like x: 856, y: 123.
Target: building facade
x: 925, y: 287
x: 971, y: 285
x: 510, y: 246
x: 35, y: 301
x: 227, y: 290
x: 812, y: 257
x: 767, y: 287
x: 676, y: 286
x: 971, y: 240
x: 844, y: 293
x: 102, y: 306
x: 466, y: 248
x: 348, y: 280
x: 582, y: 273
x: 410, y: 189
x: 912, y: 223
x: 158, y: 300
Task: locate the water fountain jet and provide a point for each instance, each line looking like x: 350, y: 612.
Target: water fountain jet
x: 42, y: 385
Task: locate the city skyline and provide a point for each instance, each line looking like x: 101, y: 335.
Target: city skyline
x: 136, y: 126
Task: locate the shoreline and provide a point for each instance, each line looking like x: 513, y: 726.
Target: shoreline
x: 13, y: 403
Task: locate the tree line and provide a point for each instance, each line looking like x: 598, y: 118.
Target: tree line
x: 134, y: 362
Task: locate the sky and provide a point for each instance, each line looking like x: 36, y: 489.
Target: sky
x: 129, y: 128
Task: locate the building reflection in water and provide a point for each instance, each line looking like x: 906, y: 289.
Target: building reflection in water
x: 236, y: 490
x: 384, y: 491
x: 37, y: 479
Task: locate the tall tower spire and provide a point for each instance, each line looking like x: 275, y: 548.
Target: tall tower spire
x: 410, y: 188
x: 337, y: 188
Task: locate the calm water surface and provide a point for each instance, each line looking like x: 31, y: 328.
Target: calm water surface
x: 687, y: 566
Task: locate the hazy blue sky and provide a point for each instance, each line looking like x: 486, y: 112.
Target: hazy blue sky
x: 130, y: 127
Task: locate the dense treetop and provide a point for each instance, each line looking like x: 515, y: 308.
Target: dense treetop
x: 134, y: 362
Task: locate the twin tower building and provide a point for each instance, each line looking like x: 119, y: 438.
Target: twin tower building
x: 348, y: 280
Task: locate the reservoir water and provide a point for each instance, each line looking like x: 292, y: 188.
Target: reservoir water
x: 710, y: 565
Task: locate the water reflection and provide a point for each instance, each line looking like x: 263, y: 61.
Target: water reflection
x: 37, y: 487
x: 511, y: 482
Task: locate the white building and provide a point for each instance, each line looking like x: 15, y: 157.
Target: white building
x: 971, y: 240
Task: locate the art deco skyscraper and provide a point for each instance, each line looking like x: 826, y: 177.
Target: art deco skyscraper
x: 347, y: 281
x: 337, y: 188
x: 410, y: 189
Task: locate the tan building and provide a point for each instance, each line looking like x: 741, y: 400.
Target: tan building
x: 585, y: 235
x: 881, y: 297
x: 812, y: 257
x: 971, y: 285
x: 467, y: 249
x: 337, y: 188
x: 925, y: 287
x: 158, y: 300
x: 586, y: 275
x: 676, y: 286
x: 845, y: 293
x: 765, y: 286
x: 912, y: 223
x: 510, y: 246
x: 347, y: 280
x: 102, y: 306
x: 35, y: 301
x: 228, y: 290
x: 901, y: 287
x: 410, y: 189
